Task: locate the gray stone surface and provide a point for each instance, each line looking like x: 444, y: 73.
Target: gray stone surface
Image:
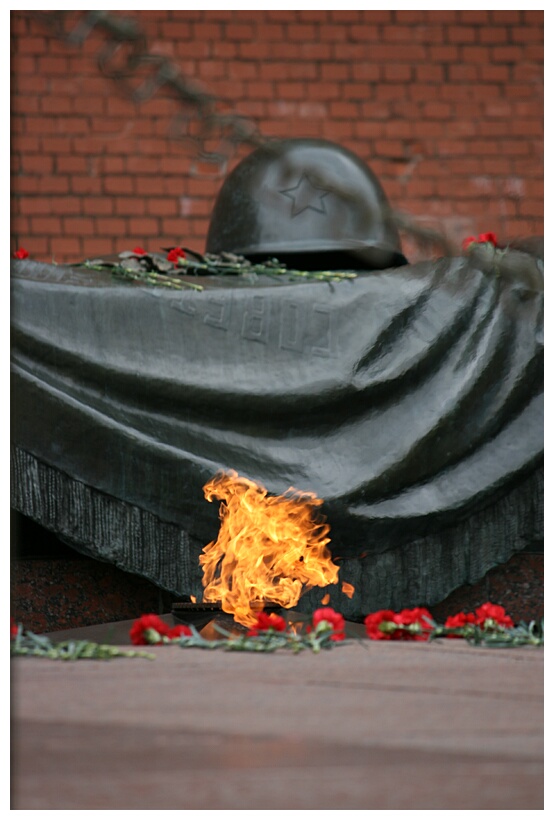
x: 363, y: 726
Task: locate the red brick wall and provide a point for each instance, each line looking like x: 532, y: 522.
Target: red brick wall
x: 446, y: 107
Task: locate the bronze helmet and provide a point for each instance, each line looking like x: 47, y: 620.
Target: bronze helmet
x: 308, y: 202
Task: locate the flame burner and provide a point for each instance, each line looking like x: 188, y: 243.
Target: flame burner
x: 204, y: 614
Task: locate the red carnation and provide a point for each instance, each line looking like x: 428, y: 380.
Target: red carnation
x: 414, y: 617
x: 373, y: 623
x: 148, y: 629
x: 483, y: 237
x: 175, y: 254
x: 139, y: 251
x: 458, y: 621
x: 328, y: 615
x: 178, y: 631
x: 267, y: 622
x: 21, y: 253
x: 383, y: 625
x: 492, y: 612
x: 488, y: 237
x: 469, y: 240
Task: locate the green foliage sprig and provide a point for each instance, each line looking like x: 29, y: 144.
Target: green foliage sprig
x: 168, y: 270
x: 27, y: 643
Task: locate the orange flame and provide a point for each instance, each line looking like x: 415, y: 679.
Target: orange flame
x: 269, y: 548
x: 348, y: 589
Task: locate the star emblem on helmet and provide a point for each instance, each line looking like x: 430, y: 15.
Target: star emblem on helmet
x: 305, y: 195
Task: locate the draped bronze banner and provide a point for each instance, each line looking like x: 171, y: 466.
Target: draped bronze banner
x: 409, y: 399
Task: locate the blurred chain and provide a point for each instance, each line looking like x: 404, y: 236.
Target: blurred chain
x: 125, y: 58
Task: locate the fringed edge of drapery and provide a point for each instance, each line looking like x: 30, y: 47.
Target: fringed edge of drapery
x: 423, y: 572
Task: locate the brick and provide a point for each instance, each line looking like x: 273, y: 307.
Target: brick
x: 143, y: 226
x: 340, y: 34
x: 528, y: 34
x: 534, y: 17
x: 19, y: 25
x: 211, y: 70
x: 32, y: 45
x: 397, y: 73
x: 323, y: 91
x: 112, y: 226
x: 174, y: 228
x: 453, y: 148
x: 463, y: 73
x: 46, y: 224
x: 493, y: 35
x: 291, y: 91
x: 367, y: 71
x: 79, y: 226
x: 113, y: 165
x: 128, y: 206
x: 33, y: 206
x: 98, y: 206
x: 525, y: 79
x: 21, y: 65
x: 376, y: 130
x: 38, y: 125
x: 344, y: 110
x: 533, y: 53
x: 98, y: 246
x: 527, y: 127
x: 161, y: 207
x: 55, y: 184
x: 266, y: 32
x: 356, y: 91
x: 205, y: 32
x: 303, y: 71
x: 36, y: 245
x: 73, y: 125
x: 240, y: 70
x: 461, y: 34
x: 64, y: 247
x: 303, y: 31
x: 476, y: 17
x: 443, y: 54
x: 395, y: 129
x: 390, y: 148
x: 506, y: 54
x: 433, y: 74
x: 316, y: 16
x: 392, y: 92
x: 20, y: 225
x: 505, y: 16
x: 492, y: 128
x: 176, y: 30
x: 86, y: 185
x: 71, y: 164
x: 53, y: 65
x: 407, y: 54
x: 437, y: 111
x: 315, y: 51
x: 475, y: 54
x: 63, y: 205
x: 56, y: 105
x: 494, y: 73
x: 399, y: 33
x: 30, y: 85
